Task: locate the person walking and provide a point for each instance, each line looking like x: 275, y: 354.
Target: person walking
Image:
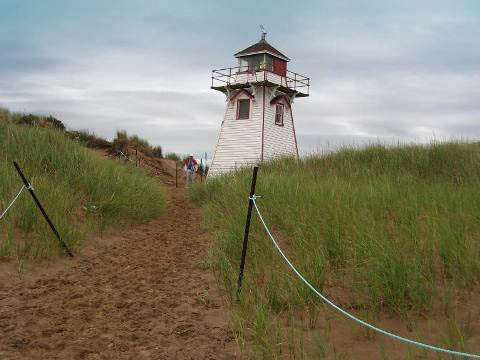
x: 190, y: 167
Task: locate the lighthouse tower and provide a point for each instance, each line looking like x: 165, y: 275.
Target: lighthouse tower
x: 258, y: 123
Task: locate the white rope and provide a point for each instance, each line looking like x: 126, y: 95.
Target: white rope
x: 397, y: 337
x: 13, y: 201
x: 126, y: 157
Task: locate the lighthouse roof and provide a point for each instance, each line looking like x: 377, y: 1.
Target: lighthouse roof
x: 261, y: 47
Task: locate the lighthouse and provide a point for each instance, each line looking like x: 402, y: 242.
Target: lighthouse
x: 258, y: 124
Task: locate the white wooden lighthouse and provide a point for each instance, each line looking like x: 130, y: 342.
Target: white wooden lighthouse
x: 258, y: 123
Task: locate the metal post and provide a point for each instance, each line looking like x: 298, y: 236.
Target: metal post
x: 201, y: 172
x: 247, y: 230
x: 29, y: 188
x: 176, y: 173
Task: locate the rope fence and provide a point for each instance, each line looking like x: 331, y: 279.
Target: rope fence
x: 13, y: 202
x: 125, y: 156
x: 344, y: 312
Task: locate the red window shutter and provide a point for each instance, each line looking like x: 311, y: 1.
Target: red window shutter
x: 280, y: 67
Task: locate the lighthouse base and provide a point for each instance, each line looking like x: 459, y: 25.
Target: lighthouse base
x: 258, y: 126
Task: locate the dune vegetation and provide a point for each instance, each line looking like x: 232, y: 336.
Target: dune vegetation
x: 82, y: 192
x: 380, y: 230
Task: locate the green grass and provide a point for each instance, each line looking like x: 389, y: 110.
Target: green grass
x: 172, y: 156
x: 82, y: 192
x: 389, y: 226
x: 122, y: 141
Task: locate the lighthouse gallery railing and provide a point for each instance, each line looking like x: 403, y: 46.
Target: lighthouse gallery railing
x: 243, y: 74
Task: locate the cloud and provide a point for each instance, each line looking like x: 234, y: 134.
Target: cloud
x: 386, y: 71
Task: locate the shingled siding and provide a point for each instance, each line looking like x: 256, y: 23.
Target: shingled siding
x: 240, y: 141
x: 278, y: 140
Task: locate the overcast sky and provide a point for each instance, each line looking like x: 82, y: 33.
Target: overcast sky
x: 380, y: 70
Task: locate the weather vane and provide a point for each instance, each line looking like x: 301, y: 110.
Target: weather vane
x: 264, y: 33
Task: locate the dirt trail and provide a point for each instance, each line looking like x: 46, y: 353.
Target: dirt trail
x: 142, y: 295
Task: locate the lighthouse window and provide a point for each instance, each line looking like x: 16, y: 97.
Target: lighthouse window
x: 279, y: 114
x: 243, y: 109
x: 243, y: 64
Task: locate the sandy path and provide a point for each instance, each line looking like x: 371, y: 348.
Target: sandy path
x: 141, y: 296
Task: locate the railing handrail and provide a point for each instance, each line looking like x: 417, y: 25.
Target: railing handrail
x: 293, y: 80
x: 299, y: 76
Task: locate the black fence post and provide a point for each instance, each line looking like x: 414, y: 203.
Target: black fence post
x: 247, y: 230
x: 176, y: 173
x: 30, y: 190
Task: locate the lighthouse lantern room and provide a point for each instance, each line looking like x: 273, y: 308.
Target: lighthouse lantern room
x: 258, y: 123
